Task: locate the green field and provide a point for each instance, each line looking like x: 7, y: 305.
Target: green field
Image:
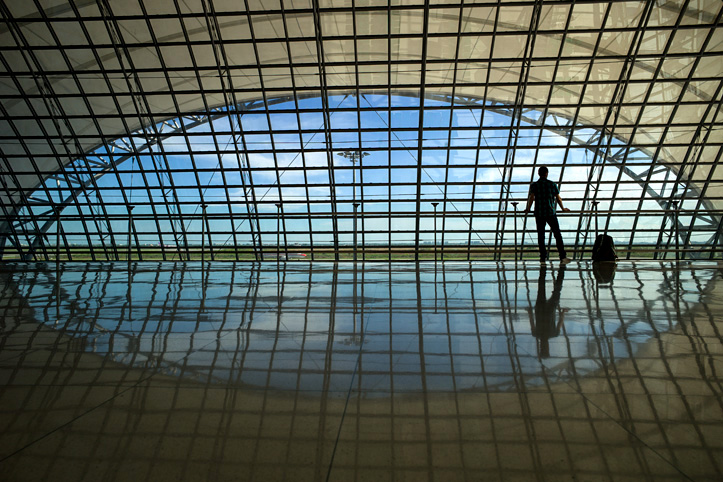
x: 375, y: 253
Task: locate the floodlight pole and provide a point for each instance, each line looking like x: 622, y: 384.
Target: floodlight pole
x: 594, y: 208
x: 203, y: 235
x: 130, y: 235
x: 435, y: 231
x: 435, y: 256
x: 278, y: 258
x: 57, y: 225
x: 57, y: 257
x: 356, y: 206
x: 354, y: 157
x: 515, y: 203
x: 675, y: 230
x: 57, y: 235
x: 278, y: 234
x: 57, y: 252
x: 57, y: 260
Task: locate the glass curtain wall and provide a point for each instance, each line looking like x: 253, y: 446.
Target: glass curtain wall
x: 319, y: 129
x: 262, y: 183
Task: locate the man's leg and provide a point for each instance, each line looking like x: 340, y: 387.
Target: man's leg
x: 541, y: 292
x: 540, y: 221
x: 555, y: 228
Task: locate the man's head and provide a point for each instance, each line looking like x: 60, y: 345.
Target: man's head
x: 542, y: 171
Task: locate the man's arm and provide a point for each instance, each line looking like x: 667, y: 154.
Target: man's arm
x: 561, y: 323
x: 559, y: 202
x: 530, y: 200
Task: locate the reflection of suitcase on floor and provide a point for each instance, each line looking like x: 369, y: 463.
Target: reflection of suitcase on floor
x: 604, y: 249
x: 604, y: 273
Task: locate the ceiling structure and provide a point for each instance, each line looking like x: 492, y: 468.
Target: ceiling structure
x: 221, y: 122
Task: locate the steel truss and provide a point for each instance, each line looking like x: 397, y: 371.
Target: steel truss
x: 105, y: 159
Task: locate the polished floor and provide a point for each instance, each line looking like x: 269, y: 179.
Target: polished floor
x: 321, y: 371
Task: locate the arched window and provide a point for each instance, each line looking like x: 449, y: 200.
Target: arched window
x: 392, y: 175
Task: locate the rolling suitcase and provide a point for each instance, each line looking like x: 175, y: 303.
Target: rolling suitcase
x: 604, y: 249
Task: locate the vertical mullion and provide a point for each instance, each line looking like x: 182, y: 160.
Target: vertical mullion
x: 59, y: 118
x: 231, y: 101
x: 480, y: 135
x: 327, y: 124
x: 636, y: 126
x: 184, y: 134
x: 92, y: 178
x: 297, y: 108
x: 702, y: 144
x: 142, y: 108
x: 106, y: 146
x: 616, y: 102
x: 29, y: 57
x: 546, y: 109
x: 668, y: 125
x: 574, y: 122
x: 357, y: 97
x: 515, y: 122
x: 389, y: 130
x: 453, y: 109
x: 268, y: 119
x: 16, y: 208
x: 420, y: 129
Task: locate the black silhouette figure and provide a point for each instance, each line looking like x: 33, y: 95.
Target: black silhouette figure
x: 545, y: 195
x: 543, y: 320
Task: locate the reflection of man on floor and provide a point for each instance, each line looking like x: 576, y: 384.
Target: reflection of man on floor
x: 542, y: 318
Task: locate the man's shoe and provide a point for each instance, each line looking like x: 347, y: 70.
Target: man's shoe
x: 565, y: 260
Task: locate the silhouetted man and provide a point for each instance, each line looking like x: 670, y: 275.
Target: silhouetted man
x: 545, y: 194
